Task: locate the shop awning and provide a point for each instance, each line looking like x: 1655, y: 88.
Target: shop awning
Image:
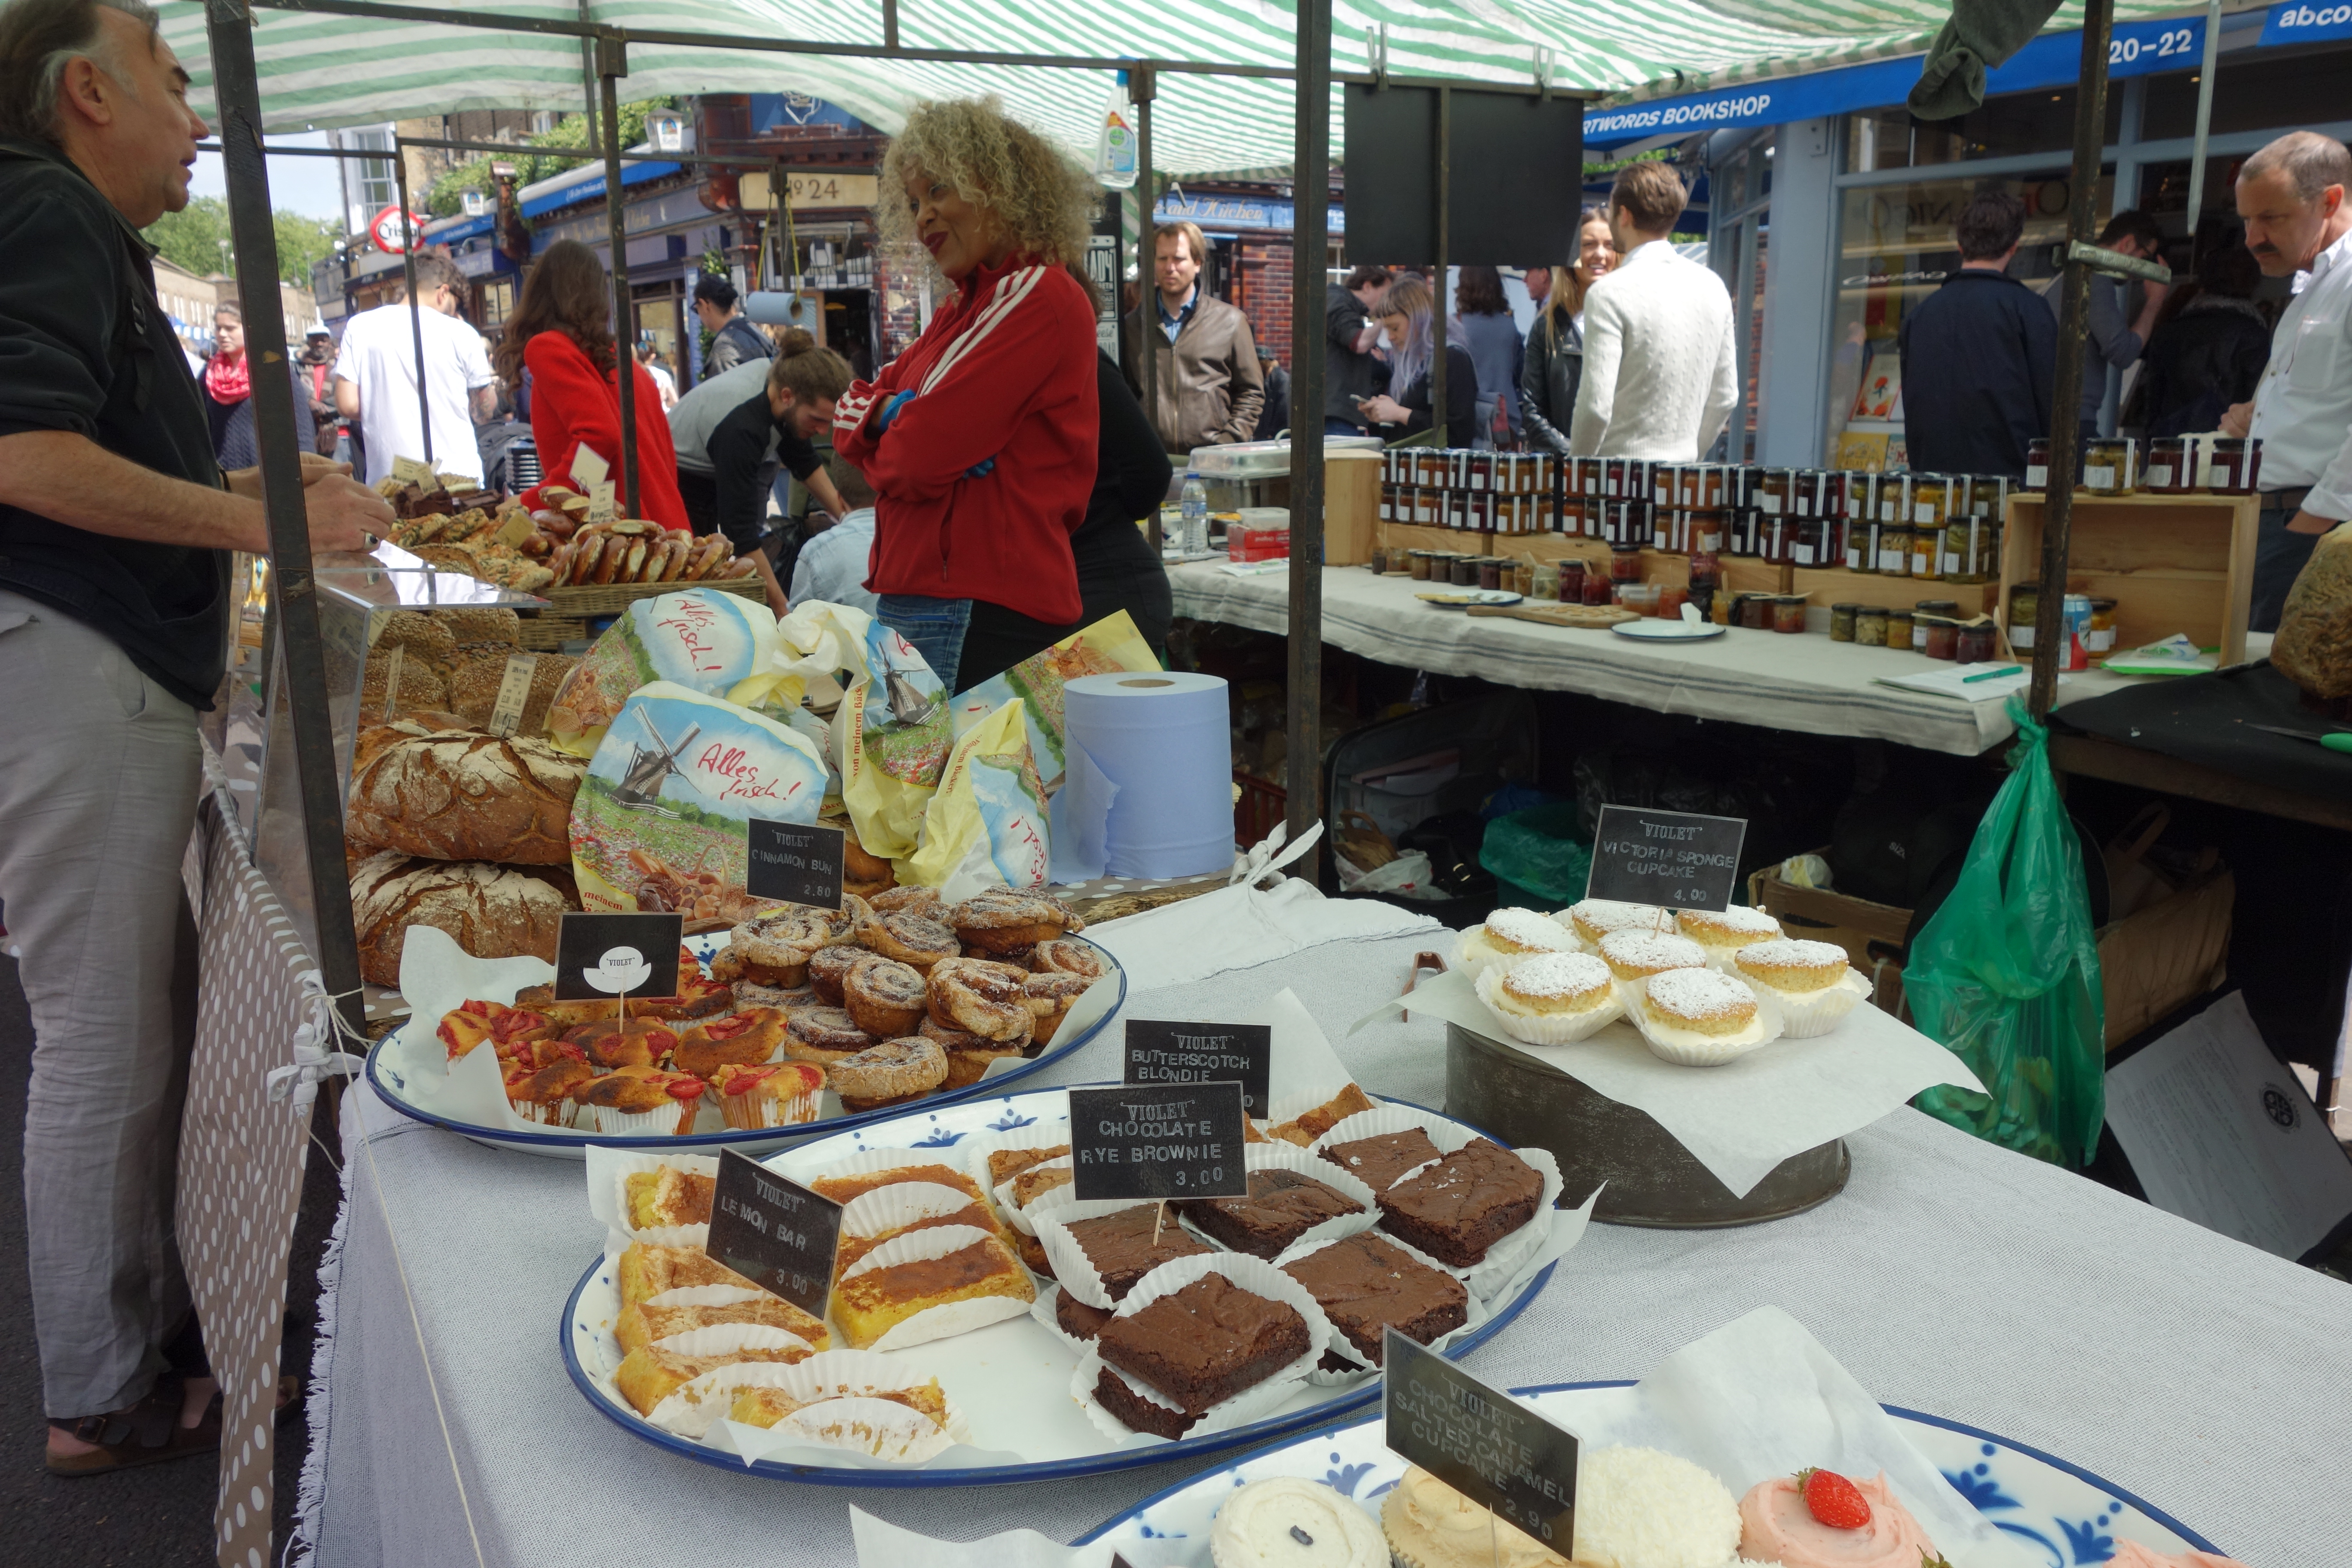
x: 326, y: 70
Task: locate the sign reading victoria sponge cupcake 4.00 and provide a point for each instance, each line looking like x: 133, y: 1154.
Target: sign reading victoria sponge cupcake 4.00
x: 1679, y: 859
x: 1480, y: 1441
x: 1165, y: 1140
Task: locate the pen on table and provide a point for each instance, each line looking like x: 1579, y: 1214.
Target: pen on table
x: 1994, y: 674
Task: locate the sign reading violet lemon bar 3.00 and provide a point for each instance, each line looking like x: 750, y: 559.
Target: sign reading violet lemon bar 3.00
x: 775, y: 1232
x: 1169, y: 1141
x: 1480, y: 1441
x: 1676, y: 858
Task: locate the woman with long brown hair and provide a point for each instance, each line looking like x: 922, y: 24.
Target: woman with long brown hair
x: 562, y: 333
x: 1554, y: 362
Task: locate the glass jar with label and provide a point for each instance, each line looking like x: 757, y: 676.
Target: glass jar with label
x: 1927, y: 550
x: 1870, y: 625
x: 1805, y: 543
x: 1895, y: 549
x: 1706, y: 567
x: 1598, y: 589
x: 1895, y: 497
x: 1899, y: 627
x: 1975, y: 643
x: 2024, y: 608
x: 2171, y: 467
x: 1772, y: 490
x: 1861, y: 544
x: 1972, y: 551
x: 1547, y: 585
x: 2101, y: 637
x: 1926, y: 611
x: 2237, y: 467
x: 1789, y: 612
x: 2037, y: 465
x: 1625, y: 563
x: 1754, y: 610
x: 1861, y: 496
x: 1665, y: 484
x: 1612, y: 478
x: 1938, y: 636
x: 1571, y: 580
x: 2110, y: 465
x: 1842, y: 622
x: 1932, y: 498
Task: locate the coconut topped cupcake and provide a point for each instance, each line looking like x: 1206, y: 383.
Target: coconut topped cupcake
x: 1725, y: 933
x: 1596, y: 918
x: 1787, y: 965
x: 1510, y: 935
x: 1637, y: 1506
x: 1632, y: 955
x: 1703, y: 1000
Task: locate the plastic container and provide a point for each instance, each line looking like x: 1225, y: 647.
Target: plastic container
x: 1194, y: 505
x: 1116, y: 146
x: 1642, y: 598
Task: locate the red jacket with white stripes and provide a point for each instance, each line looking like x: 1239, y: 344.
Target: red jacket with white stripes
x: 1005, y: 371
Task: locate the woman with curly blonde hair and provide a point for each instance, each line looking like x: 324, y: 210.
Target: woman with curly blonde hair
x: 980, y: 440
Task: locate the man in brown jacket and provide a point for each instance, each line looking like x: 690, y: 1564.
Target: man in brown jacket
x: 1206, y: 364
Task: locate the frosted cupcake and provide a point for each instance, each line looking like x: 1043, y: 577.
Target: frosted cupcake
x: 1638, y: 954
x: 1429, y: 1525
x: 1701, y: 1017
x: 1508, y: 936
x: 1596, y: 918
x: 1551, y: 999
x: 1811, y: 982
x: 1638, y: 1508
x: 1287, y: 1522
x: 1725, y: 933
x: 1817, y: 1519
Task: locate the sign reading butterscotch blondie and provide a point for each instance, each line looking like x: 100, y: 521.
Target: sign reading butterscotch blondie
x: 1162, y: 1052
x: 1150, y: 1142
x: 773, y: 1232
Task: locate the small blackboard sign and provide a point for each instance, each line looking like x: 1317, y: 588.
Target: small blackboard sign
x: 1157, y: 1142
x: 1163, y: 1052
x: 1676, y: 858
x: 775, y: 1232
x: 798, y: 862
x: 618, y: 955
x: 1481, y: 1442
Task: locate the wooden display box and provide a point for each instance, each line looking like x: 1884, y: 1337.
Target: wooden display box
x: 2171, y: 563
x: 1873, y: 935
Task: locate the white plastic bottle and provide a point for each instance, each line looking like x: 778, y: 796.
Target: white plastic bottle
x: 1196, y: 501
x: 1115, y: 150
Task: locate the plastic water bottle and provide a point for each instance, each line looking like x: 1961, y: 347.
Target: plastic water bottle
x: 1195, y: 502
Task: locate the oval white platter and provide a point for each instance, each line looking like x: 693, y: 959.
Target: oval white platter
x: 398, y: 1067
x: 2064, y: 1515
x: 1012, y: 1379
x: 1647, y: 630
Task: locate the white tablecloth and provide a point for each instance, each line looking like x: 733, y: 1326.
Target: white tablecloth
x: 1950, y: 1276
x: 1807, y: 684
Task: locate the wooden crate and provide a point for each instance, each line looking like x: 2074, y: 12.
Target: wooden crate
x: 2171, y: 563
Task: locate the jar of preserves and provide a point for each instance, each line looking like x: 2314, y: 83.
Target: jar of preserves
x: 2024, y: 608
x: 2037, y: 465
x: 1974, y: 642
x: 1789, y: 612
x: 1665, y: 484
x: 1703, y: 601
x: 1805, y: 543
x: 1689, y: 487
x: 1712, y: 486
x: 1930, y: 501
x: 1861, y: 544
x: 1870, y: 625
x: 2101, y: 638
x: 1938, y: 636
x: 1972, y: 551
x: 1895, y: 549
x: 1842, y: 619
x: 2237, y: 466
x: 2171, y: 465
x: 1861, y: 497
x: 1927, y: 550
x: 1571, y: 580
x: 1895, y: 497
x: 1987, y: 496
x: 1927, y: 610
x: 1490, y: 573
x: 1671, y: 600
x: 1625, y: 563
x: 1597, y: 588
x: 1774, y: 493
x: 1755, y: 611
x: 1705, y: 566
x: 1899, y: 629
x: 1547, y: 583
x: 2109, y: 466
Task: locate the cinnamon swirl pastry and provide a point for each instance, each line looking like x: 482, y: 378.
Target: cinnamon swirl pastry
x: 886, y: 997
x: 981, y: 998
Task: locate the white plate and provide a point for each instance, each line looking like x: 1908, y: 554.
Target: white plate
x: 1649, y: 630
x: 1012, y: 1379
x: 1463, y: 598
x: 2064, y: 1515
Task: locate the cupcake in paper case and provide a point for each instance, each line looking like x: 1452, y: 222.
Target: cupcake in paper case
x: 1507, y: 937
x: 548, y: 1096
x: 1639, y: 1508
x: 1724, y: 932
x: 1596, y: 918
x: 1700, y: 1017
x: 1551, y: 999
x: 1818, y: 1518
x: 1809, y: 981
x: 1428, y: 1524
x: 641, y: 1102
x: 773, y: 1094
x: 1287, y: 1522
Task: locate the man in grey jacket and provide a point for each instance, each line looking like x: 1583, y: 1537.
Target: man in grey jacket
x: 1206, y: 365
x: 2114, y: 341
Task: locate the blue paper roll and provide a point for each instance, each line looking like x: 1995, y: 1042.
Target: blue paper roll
x: 1149, y: 787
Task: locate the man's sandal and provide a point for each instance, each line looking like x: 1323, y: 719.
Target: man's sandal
x: 150, y: 1433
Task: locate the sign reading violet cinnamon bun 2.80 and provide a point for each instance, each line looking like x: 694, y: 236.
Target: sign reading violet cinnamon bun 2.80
x: 1679, y: 859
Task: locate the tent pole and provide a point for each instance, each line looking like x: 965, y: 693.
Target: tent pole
x: 2204, y: 121
x: 588, y: 74
x: 410, y: 238
x: 1437, y: 422
x: 1309, y: 282
x: 2074, y: 321
x: 1141, y: 89
x: 612, y: 64
x: 293, y: 593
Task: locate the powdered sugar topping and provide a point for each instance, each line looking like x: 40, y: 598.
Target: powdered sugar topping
x: 1526, y: 928
x: 1557, y: 975
x: 1609, y: 914
x: 1739, y: 918
x: 1789, y: 953
x: 1652, y: 950
x: 1700, y: 994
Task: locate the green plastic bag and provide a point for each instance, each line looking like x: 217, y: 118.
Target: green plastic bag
x: 1538, y: 853
x: 2006, y: 973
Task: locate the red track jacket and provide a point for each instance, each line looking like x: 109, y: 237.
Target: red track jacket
x: 1006, y: 369
x: 570, y: 403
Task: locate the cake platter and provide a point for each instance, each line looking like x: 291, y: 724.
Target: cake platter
x: 2060, y: 1514
x: 1012, y: 1379
x: 406, y: 1067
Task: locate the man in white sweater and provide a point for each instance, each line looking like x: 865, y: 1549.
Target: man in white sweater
x: 1659, y: 379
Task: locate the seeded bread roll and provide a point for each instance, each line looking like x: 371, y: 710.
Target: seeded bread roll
x: 474, y: 690
x: 483, y: 624
x: 490, y: 911
x: 425, y: 636
x: 421, y: 684
x: 464, y: 796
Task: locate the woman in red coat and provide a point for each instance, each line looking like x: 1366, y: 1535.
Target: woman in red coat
x: 562, y: 333
x: 980, y: 440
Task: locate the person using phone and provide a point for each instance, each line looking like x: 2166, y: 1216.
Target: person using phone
x: 1403, y: 313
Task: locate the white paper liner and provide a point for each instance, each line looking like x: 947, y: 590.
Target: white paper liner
x: 609, y: 1170
x: 976, y: 1148
x: 1386, y: 1118
x: 1042, y: 1311
x: 865, y: 1162
x: 1091, y: 1005
x: 900, y: 1205
x: 1502, y: 1264
x: 954, y: 1317
x: 1689, y: 1048
x: 1283, y: 1156
x: 797, y: 1111
x: 821, y: 1378
x: 703, y: 1296
x: 559, y: 1114
x: 693, y: 1409
x: 1808, y: 1014
x: 1024, y: 1217
x: 1304, y: 1071
x: 1474, y: 952
x: 1072, y: 1270
x: 1486, y: 1276
x: 1550, y: 1029
x: 662, y: 1123
x: 690, y: 1409
x: 1479, y: 1311
x: 713, y: 1338
x: 1254, y: 1275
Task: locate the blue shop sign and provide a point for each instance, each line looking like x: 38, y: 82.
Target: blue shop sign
x: 1221, y: 213
x: 2055, y: 59
x: 2304, y: 22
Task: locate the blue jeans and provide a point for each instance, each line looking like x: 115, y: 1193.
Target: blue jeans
x: 2279, y: 559
x: 935, y: 627
x: 1335, y: 426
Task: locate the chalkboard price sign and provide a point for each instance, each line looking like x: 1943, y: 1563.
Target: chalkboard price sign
x: 1148, y: 1141
x: 1678, y: 859
x: 1480, y: 1441
x: 795, y: 861
x: 1159, y: 1052
x: 775, y: 1232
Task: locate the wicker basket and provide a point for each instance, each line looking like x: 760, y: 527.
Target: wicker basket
x: 545, y: 633
x: 581, y: 600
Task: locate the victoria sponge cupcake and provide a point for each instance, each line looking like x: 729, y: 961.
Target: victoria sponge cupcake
x: 1810, y: 981
x: 1725, y: 932
x: 1429, y: 1525
x: 1818, y: 1518
x: 1701, y: 1017
x: 1287, y: 1522
x: 1638, y: 954
x: 1596, y: 918
x: 1639, y: 1508
x: 1551, y: 999
x: 1508, y: 936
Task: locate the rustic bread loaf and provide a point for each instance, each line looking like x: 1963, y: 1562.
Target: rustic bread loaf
x: 425, y: 637
x: 472, y: 624
x: 422, y: 685
x: 459, y: 795
x: 474, y: 690
x: 491, y: 912
x: 2314, y: 646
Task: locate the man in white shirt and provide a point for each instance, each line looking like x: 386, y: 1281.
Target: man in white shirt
x: 832, y: 566
x: 1659, y: 381
x: 375, y: 377
x: 2291, y: 195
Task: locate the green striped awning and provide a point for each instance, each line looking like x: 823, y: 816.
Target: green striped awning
x: 325, y: 71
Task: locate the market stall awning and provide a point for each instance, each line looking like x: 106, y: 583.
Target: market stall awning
x: 319, y: 70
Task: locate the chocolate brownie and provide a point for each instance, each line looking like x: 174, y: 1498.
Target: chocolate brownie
x: 1121, y: 1245
x: 1203, y: 1343
x: 1365, y: 1283
x: 1140, y: 1414
x: 1077, y: 1319
x: 1378, y: 1162
x: 1282, y: 1207
x: 1465, y: 1203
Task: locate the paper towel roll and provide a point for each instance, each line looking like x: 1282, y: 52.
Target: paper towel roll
x: 1149, y: 787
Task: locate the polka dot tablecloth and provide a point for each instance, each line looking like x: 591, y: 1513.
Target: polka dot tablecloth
x: 241, y: 1164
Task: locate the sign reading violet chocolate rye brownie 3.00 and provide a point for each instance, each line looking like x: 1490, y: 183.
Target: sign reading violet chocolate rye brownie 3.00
x: 1480, y: 1441
x: 1675, y: 859
x: 1162, y: 1141
x: 775, y: 1232
x: 1158, y: 1051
